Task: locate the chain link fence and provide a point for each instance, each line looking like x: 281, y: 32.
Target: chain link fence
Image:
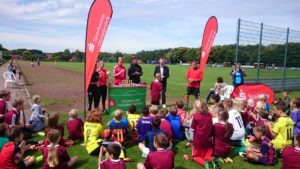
x: 269, y: 54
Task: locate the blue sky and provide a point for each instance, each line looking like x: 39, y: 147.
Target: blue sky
x: 54, y: 25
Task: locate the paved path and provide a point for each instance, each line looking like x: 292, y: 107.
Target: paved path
x: 18, y: 90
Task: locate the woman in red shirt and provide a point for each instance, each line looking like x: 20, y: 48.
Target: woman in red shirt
x: 102, y: 83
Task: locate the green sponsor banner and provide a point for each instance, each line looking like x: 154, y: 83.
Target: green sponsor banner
x: 121, y: 97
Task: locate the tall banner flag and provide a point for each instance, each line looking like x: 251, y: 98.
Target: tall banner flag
x: 210, y: 31
x: 252, y: 91
x: 97, y: 23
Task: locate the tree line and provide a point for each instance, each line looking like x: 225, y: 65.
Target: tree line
x: 247, y: 54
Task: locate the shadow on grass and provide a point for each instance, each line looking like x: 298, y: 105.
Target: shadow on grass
x: 181, y: 167
x: 80, y: 163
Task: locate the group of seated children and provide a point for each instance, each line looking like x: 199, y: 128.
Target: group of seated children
x: 16, y: 132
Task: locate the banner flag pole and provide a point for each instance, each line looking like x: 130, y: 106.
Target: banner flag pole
x: 98, y: 21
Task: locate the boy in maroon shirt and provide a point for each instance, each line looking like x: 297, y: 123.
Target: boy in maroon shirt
x: 4, y: 98
x: 156, y: 89
x: 291, y: 155
x: 112, y: 161
x: 75, y: 126
x: 160, y: 159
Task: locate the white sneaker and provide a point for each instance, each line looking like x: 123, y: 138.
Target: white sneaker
x: 164, y: 106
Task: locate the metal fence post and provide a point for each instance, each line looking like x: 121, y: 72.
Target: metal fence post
x: 285, y: 57
x: 237, y: 41
x: 259, y: 51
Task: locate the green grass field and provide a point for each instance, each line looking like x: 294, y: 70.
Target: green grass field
x: 177, y: 82
x: 175, y: 90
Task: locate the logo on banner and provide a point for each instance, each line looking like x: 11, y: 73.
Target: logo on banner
x: 203, y: 53
x: 112, y: 103
x: 91, y: 47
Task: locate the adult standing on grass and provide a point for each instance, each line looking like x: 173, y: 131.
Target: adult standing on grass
x: 237, y: 75
x: 193, y: 77
x: 135, y: 71
x: 164, y: 71
x: 102, y: 83
x: 93, y: 93
x: 119, y: 72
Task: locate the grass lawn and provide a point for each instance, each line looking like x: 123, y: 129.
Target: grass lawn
x: 175, y: 90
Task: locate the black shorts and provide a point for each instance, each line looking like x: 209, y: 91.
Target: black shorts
x: 192, y: 91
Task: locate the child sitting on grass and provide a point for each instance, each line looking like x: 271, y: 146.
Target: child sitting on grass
x: 118, y: 128
x: 295, y: 115
x: 181, y: 112
x: 132, y: 118
x: 3, y: 134
x: 13, y: 117
x: 160, y: 159
x: 93, y: 132
x: 12, y: 153
x: 222, y: 133
x: 282, y: 131
x: 132, y: 121
x: 265, y: 154
x: 37, y: 118
x: 153, y: 111
x: 174, y: 120
x: 112, y: 161
x: 55, y: 155
x: 213, y: 110
x: 165, y: 125
x: 291, y: 155
x: 202, y: 127
x: 149, y: 139
x: 144, y: 124
x: 4, y: 98
x: 75, y: 126
x: 52, y: 123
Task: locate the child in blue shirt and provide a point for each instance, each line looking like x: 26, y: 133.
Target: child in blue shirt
x: 174, y: 119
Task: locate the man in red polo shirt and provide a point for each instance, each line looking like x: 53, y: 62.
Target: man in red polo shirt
x: 119, y: 71
x: 102, y: 83
x: 193, y: 76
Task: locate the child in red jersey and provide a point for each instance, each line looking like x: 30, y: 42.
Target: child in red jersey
x: 265, y: 153
x: 75, y: 126
x: 112, y: 161
x: 291, y: 155
x: 222, y: 133
x: 11, y: 156
x: 202, y: 127
x: 160, y: 159
x: 155, y: 89
x: 4, y: 98
x: 56, y: 156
